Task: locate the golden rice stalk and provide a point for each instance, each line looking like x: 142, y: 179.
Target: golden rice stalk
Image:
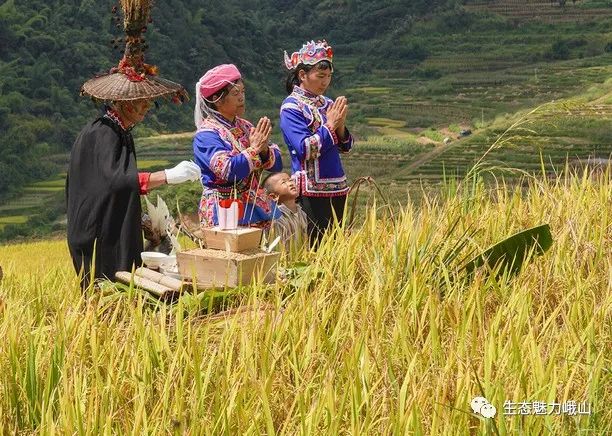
x: 135, y: 15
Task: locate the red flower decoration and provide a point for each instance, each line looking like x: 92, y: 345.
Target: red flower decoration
x: 151, y: 70
x: 131, y: 73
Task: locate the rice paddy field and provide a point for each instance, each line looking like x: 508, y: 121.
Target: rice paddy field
x: 543, y: 56
x: 380, y: 331
x: 379, y: 336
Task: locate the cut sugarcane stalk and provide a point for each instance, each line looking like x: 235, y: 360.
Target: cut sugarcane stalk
x: 150, y: 286
x: 157, y: 277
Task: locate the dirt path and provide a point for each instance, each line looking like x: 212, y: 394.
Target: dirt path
x: 427, y: 156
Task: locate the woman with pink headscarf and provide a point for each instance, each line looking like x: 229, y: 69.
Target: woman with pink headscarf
x: 230, y: 151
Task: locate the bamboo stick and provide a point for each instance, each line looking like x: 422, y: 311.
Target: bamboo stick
x: 146, y: 284
x: 159, y: 278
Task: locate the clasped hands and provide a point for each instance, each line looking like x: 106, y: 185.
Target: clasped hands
x: 259, y: 137
x: 336, y: 116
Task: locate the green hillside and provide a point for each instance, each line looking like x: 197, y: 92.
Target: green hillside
x: 423, y: 77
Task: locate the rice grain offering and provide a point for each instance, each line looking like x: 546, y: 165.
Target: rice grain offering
x: 221, y: 268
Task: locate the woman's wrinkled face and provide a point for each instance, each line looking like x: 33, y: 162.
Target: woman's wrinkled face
x: 233, y: 103
x: 315, y: 81
x: 133, y: 112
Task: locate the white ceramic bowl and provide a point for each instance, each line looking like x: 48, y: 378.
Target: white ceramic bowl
x: 170, y: 261
x: 153, y: 259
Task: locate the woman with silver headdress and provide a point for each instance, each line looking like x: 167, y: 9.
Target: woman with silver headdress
x: 230, y: 151
x: 314, y: 129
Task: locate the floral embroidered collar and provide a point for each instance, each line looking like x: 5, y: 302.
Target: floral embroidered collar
x: 112, y: 115
x: 224, y: 121
x: 308, y: 97
x: 235, y: 127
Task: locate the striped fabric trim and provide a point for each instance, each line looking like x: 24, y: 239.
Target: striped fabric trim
x: 320, y: 179
x: 291, y: 227
x: 290, y: 106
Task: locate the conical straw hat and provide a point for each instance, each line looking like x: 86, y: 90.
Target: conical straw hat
x: 132, y: 79
x: 117, y: 86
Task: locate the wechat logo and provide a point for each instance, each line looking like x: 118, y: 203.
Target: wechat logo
x: 481, y: 405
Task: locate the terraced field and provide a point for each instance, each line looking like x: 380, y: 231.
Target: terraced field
x: 553, y: 135
x: 548, y: 12
x: 469, y: 80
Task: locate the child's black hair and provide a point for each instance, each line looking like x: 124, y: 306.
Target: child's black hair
x: 267, y: 178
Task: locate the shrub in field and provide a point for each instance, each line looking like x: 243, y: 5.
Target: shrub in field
x: 562, y: 48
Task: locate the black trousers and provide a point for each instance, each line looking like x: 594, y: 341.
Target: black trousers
x: 320, y: 215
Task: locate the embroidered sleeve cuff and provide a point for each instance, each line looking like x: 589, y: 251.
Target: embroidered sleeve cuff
x: 253, y: 158
x: 349, y: 137
x: 332, y: 133
x: 346, y: 145
x: 271, y: 157
x: 143, y: 183
x: 312, y: 147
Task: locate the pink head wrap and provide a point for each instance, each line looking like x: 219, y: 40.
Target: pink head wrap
x: 217, y: 78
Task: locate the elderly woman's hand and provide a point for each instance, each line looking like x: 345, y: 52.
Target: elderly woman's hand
x: 260, y: 135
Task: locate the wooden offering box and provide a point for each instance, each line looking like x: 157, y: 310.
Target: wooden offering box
x: 216, y: 268
x: 238, y: 240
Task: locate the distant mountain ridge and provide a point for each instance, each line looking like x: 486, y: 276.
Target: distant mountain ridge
x: 49, y: 48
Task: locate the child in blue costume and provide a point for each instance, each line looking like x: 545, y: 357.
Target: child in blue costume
x: 314, y: 129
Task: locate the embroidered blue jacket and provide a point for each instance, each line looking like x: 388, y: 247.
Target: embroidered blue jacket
x: 230, y: 167
x: 314, y: 149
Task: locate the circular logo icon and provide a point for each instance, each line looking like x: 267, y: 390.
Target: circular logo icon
x: 477, y: 403
x: 482, y: 406
x: 488, y: 410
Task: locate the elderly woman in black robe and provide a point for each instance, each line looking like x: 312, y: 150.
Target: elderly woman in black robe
x: 103, y: 183
x: 102, y: 192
